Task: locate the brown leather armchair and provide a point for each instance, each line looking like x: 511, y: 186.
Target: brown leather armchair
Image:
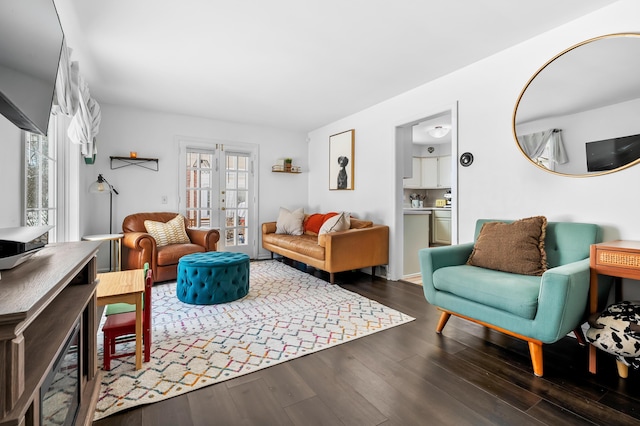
x: 138, y: 247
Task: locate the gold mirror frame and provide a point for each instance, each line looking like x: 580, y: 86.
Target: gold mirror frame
x: 561, y: 59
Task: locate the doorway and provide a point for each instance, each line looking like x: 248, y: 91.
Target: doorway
x: 218, y: 190
x: 438, y: 184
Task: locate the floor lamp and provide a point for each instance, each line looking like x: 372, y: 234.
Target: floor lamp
x: 102, y: 186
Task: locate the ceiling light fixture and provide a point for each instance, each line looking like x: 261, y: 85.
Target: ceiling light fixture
x: 439, y: 131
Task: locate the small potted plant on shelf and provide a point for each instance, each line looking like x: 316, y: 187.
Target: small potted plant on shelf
x: 287, y: 164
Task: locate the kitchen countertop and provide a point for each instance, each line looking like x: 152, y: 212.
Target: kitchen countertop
x: 423, y: 210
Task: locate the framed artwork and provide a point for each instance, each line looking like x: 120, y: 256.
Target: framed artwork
x: 341, y: 160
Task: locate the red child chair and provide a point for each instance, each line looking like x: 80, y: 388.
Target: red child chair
x: 121, y: 328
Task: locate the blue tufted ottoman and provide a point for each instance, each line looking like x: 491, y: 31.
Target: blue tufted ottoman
x: 212, y: 277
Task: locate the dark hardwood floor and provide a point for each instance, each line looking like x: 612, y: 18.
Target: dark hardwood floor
x: 409, y: 375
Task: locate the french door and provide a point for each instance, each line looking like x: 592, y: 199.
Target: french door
x: 217, y: 191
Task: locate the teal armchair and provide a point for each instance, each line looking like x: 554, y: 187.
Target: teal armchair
x: 537, y: 309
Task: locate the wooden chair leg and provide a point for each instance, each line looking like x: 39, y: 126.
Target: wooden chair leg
x: 536, y: 357
x: 146, y: 341
x: 582, y: 341
x: 623, y: 369
x: 106, y: 355
x: 444, y: 317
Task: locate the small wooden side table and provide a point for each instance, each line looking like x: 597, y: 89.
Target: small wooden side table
x: 115, y: 249
x: 621, y: 259
x: 124, y: 287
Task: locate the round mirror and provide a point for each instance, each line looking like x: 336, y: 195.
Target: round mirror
x: 578, y: 114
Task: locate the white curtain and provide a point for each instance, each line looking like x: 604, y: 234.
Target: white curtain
x: 65, y: 99
x: 534, y: 145
x: 85, y: 124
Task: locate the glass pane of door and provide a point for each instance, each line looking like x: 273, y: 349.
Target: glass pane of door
x: 200, y: 188
x: 236, y: 196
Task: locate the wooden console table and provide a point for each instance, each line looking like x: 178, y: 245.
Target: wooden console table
x: 41, y: 302
x: 619, y: 259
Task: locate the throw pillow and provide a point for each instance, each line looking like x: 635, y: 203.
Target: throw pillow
x: 290, y: 222
x: 313, y: 223
x: 171, y: 232
x: 516, y: 247
x: 339, y: 222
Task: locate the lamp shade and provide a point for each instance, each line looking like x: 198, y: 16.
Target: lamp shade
x: 101, y: 185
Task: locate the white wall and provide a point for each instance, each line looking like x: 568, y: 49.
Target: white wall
x: 500, y: 183
x: 11, y: 146
x: 153, y: 135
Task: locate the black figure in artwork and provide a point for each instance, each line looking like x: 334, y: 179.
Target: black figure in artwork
x: 342, y: 174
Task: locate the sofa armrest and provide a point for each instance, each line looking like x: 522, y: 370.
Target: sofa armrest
x: 138, y: 248
x: 207, y: 238
x: 357, y: 248
x: 562, y: 299
x: 269, y: 227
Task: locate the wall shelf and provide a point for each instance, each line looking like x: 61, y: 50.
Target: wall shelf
x: 145, y: 163
x: 281, y: 169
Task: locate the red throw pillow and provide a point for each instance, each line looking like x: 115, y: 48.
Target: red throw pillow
x: 314, y: 222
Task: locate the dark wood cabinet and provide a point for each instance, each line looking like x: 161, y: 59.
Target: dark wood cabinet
x: 42, y: 302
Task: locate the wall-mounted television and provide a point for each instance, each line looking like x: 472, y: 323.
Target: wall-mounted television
x: 30, y: 44
x: 610, y: 154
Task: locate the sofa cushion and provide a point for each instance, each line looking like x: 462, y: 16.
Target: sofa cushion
x: 360, y: 224
x: 290, y: 222
x: 165, y: 233
x: 303, y: 244
x: 513, y: 293
x: 171, y: 254
x: 516, y: 247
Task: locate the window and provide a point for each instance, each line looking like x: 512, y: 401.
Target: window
x: 40, y: 181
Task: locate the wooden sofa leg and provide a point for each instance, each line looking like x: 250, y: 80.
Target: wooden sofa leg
x: 332, y: 278
x: 444, y: 317
x: 535, y: 348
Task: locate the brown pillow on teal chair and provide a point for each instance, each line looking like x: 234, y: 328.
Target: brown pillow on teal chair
x: 516, y: 247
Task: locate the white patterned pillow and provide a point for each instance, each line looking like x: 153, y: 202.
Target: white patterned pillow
x: 341, y: 222
x: 171, y: 232
x: 337, y: 223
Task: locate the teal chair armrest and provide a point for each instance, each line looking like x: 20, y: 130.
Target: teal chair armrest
x: 562, y: 300
x: 434, y: 258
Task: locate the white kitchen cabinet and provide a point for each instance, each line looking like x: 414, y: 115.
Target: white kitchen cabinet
x: 441, y: 227
x: 430, y: 172
x: 444, y: 171
x: 414, y: 180
x: 429, y: 177
x: 416, y: 237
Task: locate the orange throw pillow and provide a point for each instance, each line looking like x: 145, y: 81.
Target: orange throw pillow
x: 314, y: 222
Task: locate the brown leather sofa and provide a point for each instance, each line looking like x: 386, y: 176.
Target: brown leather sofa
x: 364, y: 245
x: 138, y: 247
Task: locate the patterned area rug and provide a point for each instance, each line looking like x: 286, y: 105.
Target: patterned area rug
x: 287, y: 314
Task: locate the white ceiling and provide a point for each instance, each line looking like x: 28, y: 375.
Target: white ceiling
x: 290, y: 64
